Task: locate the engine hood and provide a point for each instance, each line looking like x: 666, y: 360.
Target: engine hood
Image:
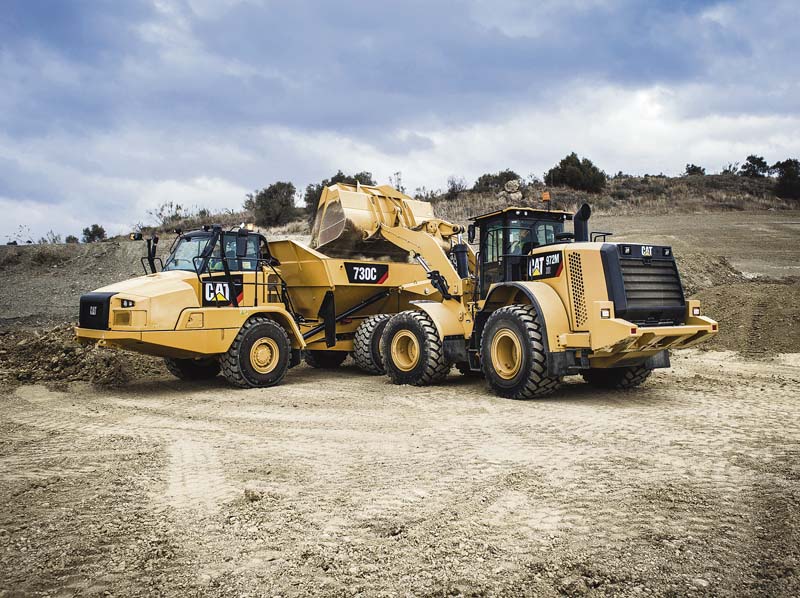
x: 155, y: 285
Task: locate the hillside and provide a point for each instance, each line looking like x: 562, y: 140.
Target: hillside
x: 627, y: 195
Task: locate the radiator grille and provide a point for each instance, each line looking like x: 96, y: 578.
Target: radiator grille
x: 651, y: 285
x: 576, y: 285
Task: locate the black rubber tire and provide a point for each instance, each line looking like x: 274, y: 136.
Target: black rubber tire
x: 432, y: 366
x: 619, y: 378
x: 204, y: 368
x: 325, y: 360
x: 463, y: 368
x: 531, y: 381
x: 367, y: 344
x: 236, y: 366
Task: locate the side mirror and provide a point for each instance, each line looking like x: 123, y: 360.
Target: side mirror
x: 471, y: 233
x: 241, y: 244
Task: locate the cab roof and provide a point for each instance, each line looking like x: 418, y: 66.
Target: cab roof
x: 558, y: 215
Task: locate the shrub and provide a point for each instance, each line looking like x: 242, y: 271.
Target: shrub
x: 578, y: 174
x: 694, y: 170
x: 273, y: 205
x: 755, y: 167
x: 425, y: 194
x: 50, y: 238
x: 455, y: 186
x: 94, y: 233
x: 494, y: 182
x: 314, y: 190
x: 71, y: 239
x: 731, y: 169
x: 788, y: 171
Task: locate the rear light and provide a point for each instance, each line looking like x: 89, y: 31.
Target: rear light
x: 626, y: 250
x: 667, y: 252
x: 633, y: 330
x: 713, y: 327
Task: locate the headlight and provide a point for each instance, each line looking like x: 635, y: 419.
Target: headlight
x: 605, y: 313
x: 128, y: 303
x: 695, y: 311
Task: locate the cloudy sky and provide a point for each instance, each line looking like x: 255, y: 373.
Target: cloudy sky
x: 109, y: 108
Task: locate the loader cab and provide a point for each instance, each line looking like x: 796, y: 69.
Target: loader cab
x: 507, y: 236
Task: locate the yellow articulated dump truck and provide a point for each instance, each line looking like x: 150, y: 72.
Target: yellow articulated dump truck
x: 231, y: 301
x: 546, y: 303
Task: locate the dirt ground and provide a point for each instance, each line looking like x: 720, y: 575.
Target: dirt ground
x: 341, y: 484
x: 117, y: 479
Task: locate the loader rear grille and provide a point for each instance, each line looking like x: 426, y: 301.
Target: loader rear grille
x: 653, y: 284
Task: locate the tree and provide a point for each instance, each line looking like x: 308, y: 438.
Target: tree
x: 494, y: 182
x: 396, y: 181
x: 788, y: 171
x: 273, y: 205
x: 71, y: 239
x: 94, y: 233
x: 577, y: 174
x: 314, y: 190
x: 694, y: 169
x: 755, y: 167
x: 455, y: 186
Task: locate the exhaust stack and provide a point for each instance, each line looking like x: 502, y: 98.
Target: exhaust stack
x: 580, y: 223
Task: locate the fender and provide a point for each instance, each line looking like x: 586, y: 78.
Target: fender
x: 235, y: 317
x: 449, y: 317
x: 545, y: 300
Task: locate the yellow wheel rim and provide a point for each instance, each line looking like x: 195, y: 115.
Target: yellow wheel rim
x: 264, y: 355
x: 405, y: 350
x: 506, y: 354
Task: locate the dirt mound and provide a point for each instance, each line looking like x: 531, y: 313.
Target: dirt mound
x: 702, y: 271
x: 55, y: 355
x: 758, y: 317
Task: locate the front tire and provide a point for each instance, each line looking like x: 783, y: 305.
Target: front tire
x: 367, y: 344
x: 617, y: 378
x: 412, y: 350
x: 259, y: 355
x: 513, y: 356
x: 324, y: 360
x: 204, y: 368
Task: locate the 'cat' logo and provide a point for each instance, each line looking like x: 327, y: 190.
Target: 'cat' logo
x: 217, y: 291
x: 647, y: 251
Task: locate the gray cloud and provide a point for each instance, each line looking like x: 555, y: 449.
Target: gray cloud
x: 124, y: 104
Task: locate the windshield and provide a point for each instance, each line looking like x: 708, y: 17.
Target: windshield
x: 185, y: 251
x: 524, y: 235
x: 190, y: 247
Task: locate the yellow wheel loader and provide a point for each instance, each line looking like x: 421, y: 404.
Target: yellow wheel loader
x: 231, y: 301
x: 546, y: 303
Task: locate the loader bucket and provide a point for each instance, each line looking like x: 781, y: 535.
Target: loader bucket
x: 349, y: 218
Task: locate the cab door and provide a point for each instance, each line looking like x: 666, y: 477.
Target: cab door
x: 491, y: 266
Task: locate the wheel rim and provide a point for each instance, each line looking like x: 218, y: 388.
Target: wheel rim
x: 405, y: 350
x: 506, y: 354
x: 264, y: 355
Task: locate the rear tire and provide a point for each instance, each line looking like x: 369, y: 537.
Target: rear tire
x: 204, y: 368
x: 619, y: 378
x: 412, y: 350
x: 367, y: 344
x: 513, y: 356
x: 259, y: 355
x: 325, y: 360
